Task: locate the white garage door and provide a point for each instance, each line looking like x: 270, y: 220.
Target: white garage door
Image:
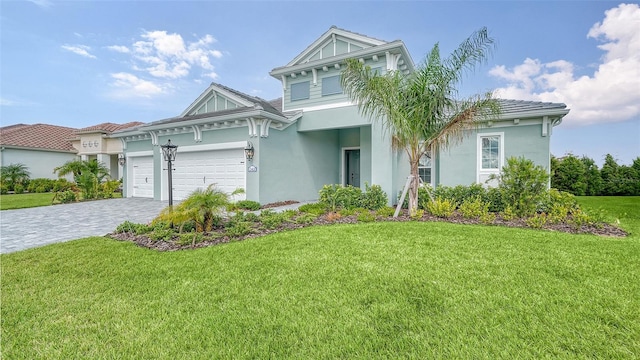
x: 197, y: 170
x: 142, y: 174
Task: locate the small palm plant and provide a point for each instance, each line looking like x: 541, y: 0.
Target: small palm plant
x: 201, y: 206
x: 14, y: 174
x: 88, y: 175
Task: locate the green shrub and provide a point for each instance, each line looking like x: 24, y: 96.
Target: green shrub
x: 161, y: 234
x: 306, y: 219
x: 271, y: 220
x: 18, y: 189
x: 347, y: 212
x: 508, y: 214
x: 313, y: 208
x: 423, y: 196
x: 41, y: 189
x: 373, y: 198
x: 61, y: 185
x: 386, y: 211
x: 40, y: 185
x: 487, y: 218
x: 190, y: 238
x: 65, y: 197
x: 523, y: 185
x: 418, y: 214
x: 107, y: 188
x: 248, y: 205
x: 288, y: 214
x: 366, y: 216
x: 4, y: 189
x: 251, y: 217
x: 493, y: 197
x: 537, y: 221
x: 130, y: 227
x: 238, y: 229
x: 442, y: 208
x: 554, y: 197
x: 473, y: 208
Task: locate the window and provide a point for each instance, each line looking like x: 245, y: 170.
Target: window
x: 331, y: 85
x: 424, y: 168
x: 300, y: 91
x: 490, y: 152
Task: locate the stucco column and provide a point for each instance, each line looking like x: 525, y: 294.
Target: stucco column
x: 105, y: 159
x: 382, y: 160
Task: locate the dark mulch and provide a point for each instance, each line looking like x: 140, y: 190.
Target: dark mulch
x: 278, y: 204
x: 217, y: 236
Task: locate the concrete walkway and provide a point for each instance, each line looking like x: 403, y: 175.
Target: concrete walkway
x: 26, y: 228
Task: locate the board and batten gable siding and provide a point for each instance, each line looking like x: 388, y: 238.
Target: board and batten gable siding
x: 458, y: 165
x: 214, y: 102
x: 316, y: 99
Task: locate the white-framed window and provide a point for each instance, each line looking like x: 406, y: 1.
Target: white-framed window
x: 331, y: 85
x: 425, y: 168
x: 300, y: 91
x: 490, y: 156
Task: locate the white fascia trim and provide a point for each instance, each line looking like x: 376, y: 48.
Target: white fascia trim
x: 209, y: 147
x: 324, y: 107
x: 139, y: 153
x: 534, y: 113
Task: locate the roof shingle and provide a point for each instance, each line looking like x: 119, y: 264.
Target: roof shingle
x: 39, y: 136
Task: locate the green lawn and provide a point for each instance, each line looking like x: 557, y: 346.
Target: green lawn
x: 19, y: 201
x: 376, y: 290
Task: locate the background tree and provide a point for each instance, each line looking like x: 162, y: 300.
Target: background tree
x: 570, y: 175
x: 420, y: 110
x: 14, y: 174
x: 592, y: 176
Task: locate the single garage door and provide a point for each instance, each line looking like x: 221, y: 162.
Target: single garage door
x: 142, y: 174
x: 198, y: 170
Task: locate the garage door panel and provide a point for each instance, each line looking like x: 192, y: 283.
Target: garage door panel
x: 198, y: 170
x: 142, y: 174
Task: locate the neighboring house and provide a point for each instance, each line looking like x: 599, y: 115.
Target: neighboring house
x: 40, y: 147
x: 43, y: 147
x: 314, y: 135
x: 94, y: 143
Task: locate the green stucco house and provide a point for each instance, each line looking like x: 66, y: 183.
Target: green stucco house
x: 314, y: 135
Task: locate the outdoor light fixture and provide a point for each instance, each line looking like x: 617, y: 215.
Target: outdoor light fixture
x: 249, y: 151
x: 169, y: 151
x: 121, y: 159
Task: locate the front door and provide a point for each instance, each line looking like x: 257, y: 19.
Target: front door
x: 352, y: 167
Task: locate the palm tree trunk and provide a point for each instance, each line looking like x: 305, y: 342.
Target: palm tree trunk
x: 413, y: 188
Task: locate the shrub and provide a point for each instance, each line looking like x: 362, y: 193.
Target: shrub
x: 366, y: 216
x: 107, y: 188
x: 373, y: 198
x: 418, y: 214
x: 442, y: 208
x: 523, y: 185
x: 130, y: 227
x: 161, y: 234
x: 248, y: 205
x: 487, y: 218
x: 386, y: 211
x: 508, y: 214
x: 61, y: 185
x: 18, y: 189
x: 251, y: 217
x: 65, y: 197
x: 332, y: 216
x: 493, y: 197
x: 473, y: 208
x: 288, y: 214
x: 271, y: 219
x: 190, y: 238
x: 41, y: 189
x: 306, y: 219
x: 40, y: 185
x: 347, y: 212
x: 238, y: 229
x: 537, y: 221
x: 555, y: 197
x: 313, y: 208
x: 4, y: 189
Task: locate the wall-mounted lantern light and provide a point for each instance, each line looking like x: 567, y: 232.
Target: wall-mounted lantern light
x: 122, y: 160
x: 169, y: 152
x: 249, y: 151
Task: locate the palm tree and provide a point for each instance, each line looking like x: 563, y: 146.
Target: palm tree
x: 14, y: 174
x: 421, y: 110
x: 88, y: 174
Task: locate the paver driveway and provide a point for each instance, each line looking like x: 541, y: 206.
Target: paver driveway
x: 26, y: 228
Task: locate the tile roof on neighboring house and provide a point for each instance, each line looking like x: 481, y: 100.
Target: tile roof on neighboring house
x: 38, y: 136
x: 516, y: 106
x: 108, y: 127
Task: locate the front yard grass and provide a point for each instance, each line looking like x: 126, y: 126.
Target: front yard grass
x: 374, y: 290
x: 20, y: 201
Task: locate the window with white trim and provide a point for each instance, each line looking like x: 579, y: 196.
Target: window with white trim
x: 490, y: 152
x: 331, y: 85
x: 424, y: 168
x: 300, y: 91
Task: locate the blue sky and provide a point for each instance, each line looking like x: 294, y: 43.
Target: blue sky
x: 77, y: 64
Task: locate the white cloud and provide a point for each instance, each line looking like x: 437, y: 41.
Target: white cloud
x: 119, y: 48
x: 6, y: 102
x: 166, y: 55
x: 211, y: 75
x: 610, y: 94
x: 42, y: 3
x: 128, y: 85
x: 81, y: 50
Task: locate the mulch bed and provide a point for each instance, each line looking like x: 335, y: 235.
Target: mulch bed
x: 217, y: 236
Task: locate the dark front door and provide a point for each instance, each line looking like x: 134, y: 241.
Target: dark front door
x: 352, y: 167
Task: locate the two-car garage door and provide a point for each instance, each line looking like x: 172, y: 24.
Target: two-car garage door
x: 192, y: 170
x: 198, y: 170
